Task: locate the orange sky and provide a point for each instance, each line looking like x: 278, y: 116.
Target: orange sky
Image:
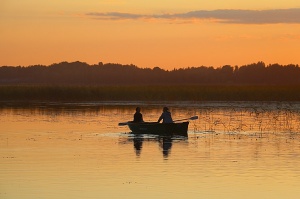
x: 168, y: 34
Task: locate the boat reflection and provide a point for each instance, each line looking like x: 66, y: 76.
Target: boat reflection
x: 165, y: 143
x: 138, y: 144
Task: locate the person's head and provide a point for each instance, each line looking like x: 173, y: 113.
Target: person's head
x: 165, y: 109
x: 138, y: 109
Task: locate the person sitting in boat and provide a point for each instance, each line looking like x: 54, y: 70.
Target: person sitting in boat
x: 138, y: 117
x: 165, y: 116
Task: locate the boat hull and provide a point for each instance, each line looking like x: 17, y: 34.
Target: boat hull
x: 159, y: 128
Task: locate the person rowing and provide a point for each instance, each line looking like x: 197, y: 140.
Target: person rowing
x: 165, y: 116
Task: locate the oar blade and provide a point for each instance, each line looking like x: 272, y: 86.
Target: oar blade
x: 194, y: 117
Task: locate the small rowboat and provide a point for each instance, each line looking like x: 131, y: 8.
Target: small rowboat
x: 176, y: 128
x: 159, y: 128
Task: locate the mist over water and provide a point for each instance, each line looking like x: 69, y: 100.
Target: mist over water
x: 77, y: 150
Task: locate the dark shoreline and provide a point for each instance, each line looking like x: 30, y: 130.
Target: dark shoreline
x: 35, y: 93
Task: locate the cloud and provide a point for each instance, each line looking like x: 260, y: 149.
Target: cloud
x: 221, y: 16
x: 115, y: 16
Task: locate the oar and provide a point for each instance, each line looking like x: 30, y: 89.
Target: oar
x: 191, y: 118
x: 123, y: 123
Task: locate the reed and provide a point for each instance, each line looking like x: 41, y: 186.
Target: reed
x: 150, y: 93
x: 269, y: 120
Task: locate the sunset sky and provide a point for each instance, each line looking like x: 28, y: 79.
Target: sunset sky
x: 168, y: 34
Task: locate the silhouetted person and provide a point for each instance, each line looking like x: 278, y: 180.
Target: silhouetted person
x: 166, y: 116
x: 138, y: 117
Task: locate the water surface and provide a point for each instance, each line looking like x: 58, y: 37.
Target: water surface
x: 71, y: 150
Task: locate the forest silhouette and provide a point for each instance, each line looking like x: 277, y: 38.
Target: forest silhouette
x: 83, y: 74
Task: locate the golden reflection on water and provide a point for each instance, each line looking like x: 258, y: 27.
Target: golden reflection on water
x: 80, y: 152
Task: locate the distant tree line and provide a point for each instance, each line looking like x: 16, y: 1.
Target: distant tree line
x: 79, y: 73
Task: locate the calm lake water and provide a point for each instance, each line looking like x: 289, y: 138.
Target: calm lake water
x: 77, y: 150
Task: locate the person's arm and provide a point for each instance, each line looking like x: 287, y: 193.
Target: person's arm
x: 160, y: 118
